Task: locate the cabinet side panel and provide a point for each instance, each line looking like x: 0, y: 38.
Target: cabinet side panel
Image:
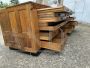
x: 26, y: 31
x: 6, y: 29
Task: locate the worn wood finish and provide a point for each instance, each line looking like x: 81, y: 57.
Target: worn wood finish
x: 52, y: 19
x: 6, y: 28
x: 20, y: 26
x: 53, y: 28
x: 31, y: 26
x: 48, y: 35
x: 35, y: 5
x: 56, y: 44
x: 47, y: 15
x: 58, y: 9
x: 51, y: 16
x: 69, y: 27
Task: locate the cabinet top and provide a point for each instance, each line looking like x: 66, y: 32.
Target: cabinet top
x: 29, y: 2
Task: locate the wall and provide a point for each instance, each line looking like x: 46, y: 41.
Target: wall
x: 81, y: 8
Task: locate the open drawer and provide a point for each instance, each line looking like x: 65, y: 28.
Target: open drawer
x: 52, y: 28
x: 57, y: 44
x: 48, y: 35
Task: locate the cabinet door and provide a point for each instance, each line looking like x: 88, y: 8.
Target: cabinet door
x: 19, y: 26
x: 29, y: 24
x: 25, y: 25
x: 11, y: 14
x: 6, y: 29
x: 22, y: 24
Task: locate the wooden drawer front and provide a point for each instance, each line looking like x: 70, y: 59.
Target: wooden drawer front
x: 48, y: 35
x: 57, y: 44
x: 51, y: 17
x: 53, y: 28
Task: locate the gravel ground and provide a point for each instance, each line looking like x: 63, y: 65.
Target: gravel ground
x: 76, y: 54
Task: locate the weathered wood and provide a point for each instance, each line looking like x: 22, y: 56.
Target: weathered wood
x: 56, y: 44
x: 63, y: 9
x: 48, y: 35
x: 52, y: 19
x: 20, y: 26
x: 52, y: 28
x: 69, y: 27
x: 30, y: 26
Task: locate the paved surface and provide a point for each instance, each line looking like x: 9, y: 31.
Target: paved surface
x: 76, y: 54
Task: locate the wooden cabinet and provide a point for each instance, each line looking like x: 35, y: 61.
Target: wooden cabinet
x: 31, y: 26
x: 20, y: 26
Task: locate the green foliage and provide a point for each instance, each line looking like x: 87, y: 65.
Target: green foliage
x: 3, y: 5
x: 14, y: 2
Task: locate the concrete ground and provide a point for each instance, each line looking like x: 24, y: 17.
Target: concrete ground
x: 76, y: 54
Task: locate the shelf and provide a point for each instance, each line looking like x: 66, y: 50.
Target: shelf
x: 52, y: 19
x: 57, y: 44
x: 48, y: 35
x: 53, y: 28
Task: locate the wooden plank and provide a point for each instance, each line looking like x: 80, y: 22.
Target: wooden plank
x: 53, y: 28
x: 32, y: 14
x: 43, y: 24
x: 52, y: 14
x: 53, y: 19
x: 51, y: 9
x: 46, y: 13
x: 35, y: 5
x: 57, y: 9
x: 48, y: 35
x: 57, y: 44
